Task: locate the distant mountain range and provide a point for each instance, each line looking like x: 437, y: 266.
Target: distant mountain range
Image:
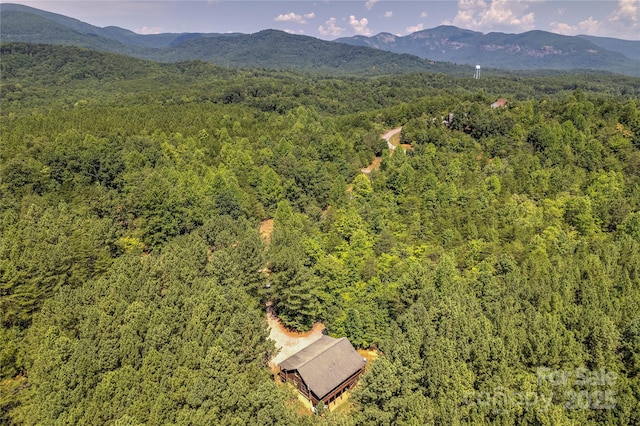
x: 437, y: 50
x: 529, y: 50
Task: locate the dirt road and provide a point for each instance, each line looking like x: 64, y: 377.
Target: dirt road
x: 391, y: 133
x: 375, y: 165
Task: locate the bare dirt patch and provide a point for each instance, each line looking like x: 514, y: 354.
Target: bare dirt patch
x: 266, y: 229
x: 375, y: 165
x: 289, y: 342
x: 369, y: 354
x: 395, y: 139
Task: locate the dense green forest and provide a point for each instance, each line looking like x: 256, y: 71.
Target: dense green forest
x: 495, y: 265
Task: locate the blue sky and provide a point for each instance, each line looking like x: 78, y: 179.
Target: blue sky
x: 333, y: 19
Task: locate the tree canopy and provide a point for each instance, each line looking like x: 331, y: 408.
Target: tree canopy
x: 493, y: 261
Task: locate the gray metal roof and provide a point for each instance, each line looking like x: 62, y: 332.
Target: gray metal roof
x: 325, y: 364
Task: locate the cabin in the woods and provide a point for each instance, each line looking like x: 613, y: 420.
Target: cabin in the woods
x: 324, y: 370
x: 500, y: 103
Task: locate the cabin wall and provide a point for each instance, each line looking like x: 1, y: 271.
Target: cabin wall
x: 331, y: 397
x: 302, y: 387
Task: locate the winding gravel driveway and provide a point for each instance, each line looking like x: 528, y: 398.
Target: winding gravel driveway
x: 391, y: 133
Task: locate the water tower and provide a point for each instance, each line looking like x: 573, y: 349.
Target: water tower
x: 476, y: 74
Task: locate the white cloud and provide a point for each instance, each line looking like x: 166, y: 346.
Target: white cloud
x: 423, y: 15
x: 310, y: 15
x: 388, y: 14
x: 294, y: 31
x: 625, y: 20
x: 496, y: 15
x: 360, y: 26
x: 148, y: 30
x: 589, y: 26
x: 627, y: 11
x: 290, y: 17
x: 415, y: 28
x: 563, y: 28
x: 331, y: 28
x: 369, y: 4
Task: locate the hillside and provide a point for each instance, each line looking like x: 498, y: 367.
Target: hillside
x: 530, y: 50
x: 27, y: 27
x: 35, y: 75
x: 279, y: 50
x: 27, y: 24
x: 629, y: 48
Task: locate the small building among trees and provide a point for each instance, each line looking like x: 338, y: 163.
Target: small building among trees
x: 324, y: 370
x: 500, y: 103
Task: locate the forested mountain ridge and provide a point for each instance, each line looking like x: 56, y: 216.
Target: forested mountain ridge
x: 27, y: 24
x: 498, y: 256
x: 529, y: 50
x: 275, y: 49
x: 629, y: 48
